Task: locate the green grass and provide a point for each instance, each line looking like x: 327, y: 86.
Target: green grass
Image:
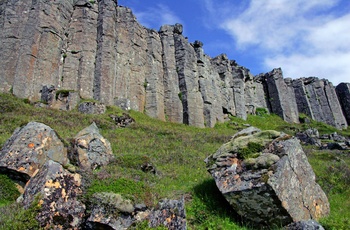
x: 177, y: 152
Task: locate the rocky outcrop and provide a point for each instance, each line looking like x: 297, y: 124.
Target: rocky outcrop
x: 266, y: 178
x: 98, y: 50
x: 343, y: 92
x: 92, y: 108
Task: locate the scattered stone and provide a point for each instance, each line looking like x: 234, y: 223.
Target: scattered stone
x: 304, y: 225
x: 272, y: 187
x: 148, y: 167
x: 91, y: 150
x: 309, y: 136
x: 123, y: 121
x: 58, y: 192
x: 28, y: 149
x: 92, y: 108
x: 170, y: 213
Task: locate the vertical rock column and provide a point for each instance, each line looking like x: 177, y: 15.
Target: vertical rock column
x: 343, y: 92
x: 324, y: 103
x: 239, y: 74
x: 172, y: 102
x: 186, y: 66
x: 302, y: 98
x: 222, y: 66
x: 105, y: 71
x: 281, y: 96
x: 154, y: 84
x: 132, y: 60
x: 40, y: 47
x: 79, y: 51
x: 13, y: 18
x: 209, y: 84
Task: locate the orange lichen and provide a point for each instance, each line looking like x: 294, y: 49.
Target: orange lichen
x: 31, y: 145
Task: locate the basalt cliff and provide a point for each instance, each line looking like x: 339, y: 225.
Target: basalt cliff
x: 98, y: 50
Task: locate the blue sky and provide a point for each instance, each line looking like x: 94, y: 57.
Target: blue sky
x: 304, y: 38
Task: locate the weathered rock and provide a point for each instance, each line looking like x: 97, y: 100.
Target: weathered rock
x: 58, y: 192
x: 110, y: 211
x: 91, y: 150
x: 304, y: 225
x: 170, y: 213
x: 58, y: 99
x: 343, y: 92
x: 172, y: 103
x: 309, y: 136
x: 29, y: 148
x: 273, y: 187
x: 281, y: 96
x: 92, y: 108
x: 186, y: 68
x: 123, y: 121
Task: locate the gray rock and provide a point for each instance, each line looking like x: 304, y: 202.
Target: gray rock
x: 273, y: 187
x: 58, y: 192
x: 281, y: 96
x: 310, y: 136
x: 123, y: 120
x: 29, y: 148
x: 91, y: 150
x: 343, y: 92
x: 304, y: 225
x: 92, y: 108
x: 170, y: 214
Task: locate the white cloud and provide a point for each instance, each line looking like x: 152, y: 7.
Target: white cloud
x: 154, y: 17
x: 304, y: 38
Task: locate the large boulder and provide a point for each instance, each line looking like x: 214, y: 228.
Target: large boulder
x: 58, y: 192
x: 267, y: 179
x: 91, y: 150
x: 28, y: 149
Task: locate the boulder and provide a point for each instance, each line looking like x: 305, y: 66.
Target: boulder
x: 90, y: 149
x: 58, y: 192
x: 29, y: 148
x: 92, y: 108
x: 110, y: 211
x: 266, y: 178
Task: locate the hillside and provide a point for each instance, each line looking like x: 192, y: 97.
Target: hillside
x: 177, y: 152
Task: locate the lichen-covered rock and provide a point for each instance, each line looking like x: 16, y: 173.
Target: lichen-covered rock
x: 170, y: 213
x: 309, y: 136
x: 91, y: 150
x: 58, y: 192
x: 92, y: 108
x: 29, y: 148
x: 111, y: 211
x: 273, y: 185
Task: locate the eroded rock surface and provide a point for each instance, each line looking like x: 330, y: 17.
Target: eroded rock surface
x: 58, y: 193
x: 29, y: 148
x: 273, y: 185
x: 91, y: 150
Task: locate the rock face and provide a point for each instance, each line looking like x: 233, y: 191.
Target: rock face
x: 343, y: 92
x: 91, y: 150
x: 266, y: 178
x: 98, y: 50
x: 29, y: 148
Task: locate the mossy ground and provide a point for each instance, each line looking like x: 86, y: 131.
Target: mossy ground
x: 177, y: 151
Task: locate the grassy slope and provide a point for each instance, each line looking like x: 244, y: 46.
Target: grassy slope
x: 177, y: 151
